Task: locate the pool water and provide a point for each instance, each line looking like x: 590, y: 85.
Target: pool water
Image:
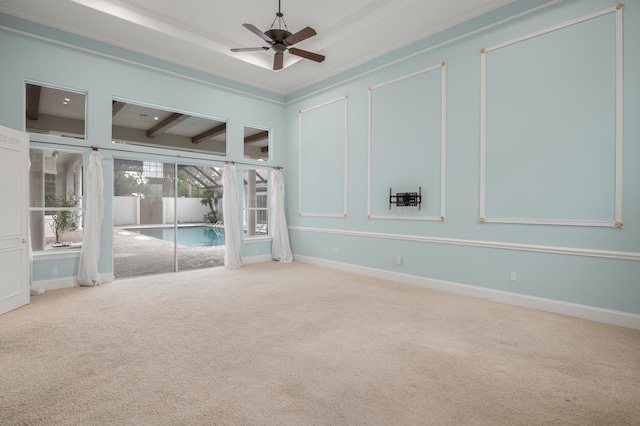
x: 197, y: 236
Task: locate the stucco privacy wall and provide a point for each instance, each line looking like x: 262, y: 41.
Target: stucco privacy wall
x: 126, y: 210
x: 26, y: 57
x: 529, y: 136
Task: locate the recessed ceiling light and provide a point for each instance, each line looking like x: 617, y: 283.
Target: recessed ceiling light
x: 155, y: 118
x: 67, y: 100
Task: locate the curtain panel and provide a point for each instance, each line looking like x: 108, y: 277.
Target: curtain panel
x: 88, y: 274
x: 280, y: 247
x: 230, y: 211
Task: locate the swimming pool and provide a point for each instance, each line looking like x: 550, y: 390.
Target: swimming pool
x: 196, y: 236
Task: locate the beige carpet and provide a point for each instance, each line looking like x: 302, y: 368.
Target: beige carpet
x: 295, y: 344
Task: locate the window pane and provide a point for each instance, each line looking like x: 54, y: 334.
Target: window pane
x: 144, y: 125
x: 256, y: 143
x: 55, y: 181
x: 57, y: 112
x: 256, y: 202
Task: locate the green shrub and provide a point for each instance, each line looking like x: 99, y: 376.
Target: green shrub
x: 210, y: 198
x: 211, y: 217
x: 62, y: 221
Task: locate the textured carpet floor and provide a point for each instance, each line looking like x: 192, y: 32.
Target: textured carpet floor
x: 295, y: 344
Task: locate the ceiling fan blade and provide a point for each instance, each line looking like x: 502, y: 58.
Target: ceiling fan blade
x: 249, y: 49
x: 303, y: 34
x: 307, y: 55
x: 278, y: 61
x: 259, y: 33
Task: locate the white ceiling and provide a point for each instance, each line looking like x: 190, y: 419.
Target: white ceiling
x: 200, y: 33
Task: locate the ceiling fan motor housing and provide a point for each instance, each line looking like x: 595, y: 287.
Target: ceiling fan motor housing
x: 278, y: 36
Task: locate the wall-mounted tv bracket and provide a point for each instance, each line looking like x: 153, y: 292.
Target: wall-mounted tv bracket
x: 406, y: 199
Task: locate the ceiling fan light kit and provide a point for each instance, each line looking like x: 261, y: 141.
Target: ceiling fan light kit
x: 280, y: 40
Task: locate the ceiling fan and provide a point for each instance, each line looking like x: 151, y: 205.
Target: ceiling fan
x: 281, y: 40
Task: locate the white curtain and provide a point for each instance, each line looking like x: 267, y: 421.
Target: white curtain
x: 29, y: 247
x: 232, y: 238
x: 88, y: 274
x: 280, y: 248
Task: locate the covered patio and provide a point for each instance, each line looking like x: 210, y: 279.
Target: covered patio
x: 136, y: 254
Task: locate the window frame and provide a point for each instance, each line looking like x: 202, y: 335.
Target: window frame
x: 257, y: 208
x: 63, y: 251
x: 53, y: 132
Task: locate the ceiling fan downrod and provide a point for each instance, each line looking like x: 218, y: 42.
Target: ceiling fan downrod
x: 280, y: 18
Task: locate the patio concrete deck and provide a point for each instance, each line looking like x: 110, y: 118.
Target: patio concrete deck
x: 136, y: 254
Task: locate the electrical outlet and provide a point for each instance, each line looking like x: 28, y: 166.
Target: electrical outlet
x: 54, y: 271
x: 398, y: 260
x: 336, y: 250
x: 324, y: 249
x: 513, y: 276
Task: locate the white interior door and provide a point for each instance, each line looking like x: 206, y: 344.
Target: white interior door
x: 14, y: 214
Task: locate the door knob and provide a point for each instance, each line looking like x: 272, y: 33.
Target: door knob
x: 24, y: 241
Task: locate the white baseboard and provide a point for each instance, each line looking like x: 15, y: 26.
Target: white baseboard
x: 247, y: 260
x: 607, y: 316
x: 58, y: 283
x: 67, y: 282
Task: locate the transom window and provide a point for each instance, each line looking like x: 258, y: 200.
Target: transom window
x: 53, y: 111
x: 138, y: 124
x: 256, y: 143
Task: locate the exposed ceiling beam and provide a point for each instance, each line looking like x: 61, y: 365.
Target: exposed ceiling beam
x: 214, y: 170
x: 208, y: 134
x: 258, y: 136
x: 116, y: 107
x: 202, y: 175
x: 206, y: 175
x: 33, y: 101
x: 194, y: 177
x: 172, y: 120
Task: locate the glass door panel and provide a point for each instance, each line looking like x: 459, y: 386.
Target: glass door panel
x: 199, y: 216
x: 144, y: 219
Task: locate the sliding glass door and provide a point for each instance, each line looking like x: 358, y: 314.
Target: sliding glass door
x: 166, y: 217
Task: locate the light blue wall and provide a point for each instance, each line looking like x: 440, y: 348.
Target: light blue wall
x: 103, y: 78
x: 594, y: 266
x: 560, y: 167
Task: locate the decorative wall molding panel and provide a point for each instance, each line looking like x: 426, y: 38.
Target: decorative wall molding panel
x: 542, y: 161
x: 322, y: 159
x: 391, y: 166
